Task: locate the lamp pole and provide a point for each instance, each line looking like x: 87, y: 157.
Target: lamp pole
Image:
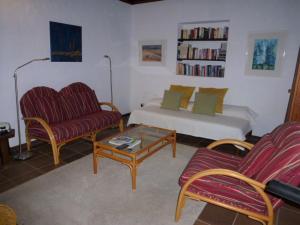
x: 110, y: 76
x: 22, y: 155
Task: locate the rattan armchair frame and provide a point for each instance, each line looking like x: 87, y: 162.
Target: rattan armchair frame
x: 56, y: 147
x: 257, y: 186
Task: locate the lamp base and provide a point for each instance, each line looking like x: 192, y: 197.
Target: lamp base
x: 23, y: 155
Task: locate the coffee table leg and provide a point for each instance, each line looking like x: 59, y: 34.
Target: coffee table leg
x: 174, y: 145
x: 133, y: 176
x: 95, y: 163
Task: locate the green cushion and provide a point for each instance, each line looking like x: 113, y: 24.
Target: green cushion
x: 205, y: 104
x: 171, y: 100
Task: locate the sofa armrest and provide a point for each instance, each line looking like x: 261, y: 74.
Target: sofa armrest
x: 257, y: 186
x: 237, y: 142
x: 44, y: 124
x: 113, y: 107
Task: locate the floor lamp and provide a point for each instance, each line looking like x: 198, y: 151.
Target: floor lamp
x: 22, y: 155
x: 110, y: 73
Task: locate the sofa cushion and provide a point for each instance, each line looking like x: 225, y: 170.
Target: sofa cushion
x: 284, y: 167
x: 49, y: 109
x: 256, y: 159
x: 229, y: 191
x: 78, y: 104
x: 221, y: 188
x: 28, y: 103
x: 205, y: 104
x: 186, y: 91
x: 77, y: 127
x: 219, y: 92
x: 171, y: 100
x: 204, y: 159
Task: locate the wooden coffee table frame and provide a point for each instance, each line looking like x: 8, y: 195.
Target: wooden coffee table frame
x: 106, y: 151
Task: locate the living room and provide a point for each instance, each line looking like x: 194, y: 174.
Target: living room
x: 115, y: 28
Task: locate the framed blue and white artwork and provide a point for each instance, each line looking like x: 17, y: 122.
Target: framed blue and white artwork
x: 65, y: 42
x: 265, y: 54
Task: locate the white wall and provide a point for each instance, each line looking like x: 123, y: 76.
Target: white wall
x: 267, y: 96
x: 24, y: 35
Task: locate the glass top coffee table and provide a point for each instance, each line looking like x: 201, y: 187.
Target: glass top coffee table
x: 147, y: 141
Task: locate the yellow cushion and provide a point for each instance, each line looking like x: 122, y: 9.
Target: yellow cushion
x: 219, y: 92
x: 186, y: 91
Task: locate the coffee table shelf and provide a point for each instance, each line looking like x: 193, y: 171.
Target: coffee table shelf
x: 152, y: 140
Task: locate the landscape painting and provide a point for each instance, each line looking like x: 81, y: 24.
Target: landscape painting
x: 264, y: 56
x: 65, y: 42
x: 265, y: 53
x: 152, y: 53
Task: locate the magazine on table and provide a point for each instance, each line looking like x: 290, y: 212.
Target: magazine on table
x: 121, y: 140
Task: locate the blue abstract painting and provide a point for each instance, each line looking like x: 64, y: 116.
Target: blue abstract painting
x: 65, y: 42
x: 264, y: 54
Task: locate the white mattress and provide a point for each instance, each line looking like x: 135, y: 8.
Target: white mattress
x: 235, y: 122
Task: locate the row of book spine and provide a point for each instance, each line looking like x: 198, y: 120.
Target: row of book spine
x: 198, y: 70
x: 186, y: 51
x: 205, y: 33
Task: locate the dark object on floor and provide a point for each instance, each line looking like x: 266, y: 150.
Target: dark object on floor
x: 7, y: 215
x: 60, y: 117
x: 284, y: 191
x: 4, y: 146
x: 237, y: 183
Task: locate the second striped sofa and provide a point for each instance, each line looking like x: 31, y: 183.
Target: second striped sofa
x: 238, y: 183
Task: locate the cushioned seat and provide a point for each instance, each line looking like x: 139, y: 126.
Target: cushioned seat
x: 60, y: 117
x: 238, y: 183
x: 77, y: 127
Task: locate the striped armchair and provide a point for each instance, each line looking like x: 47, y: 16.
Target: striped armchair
x: 61, y: 117
x: 238, y: 183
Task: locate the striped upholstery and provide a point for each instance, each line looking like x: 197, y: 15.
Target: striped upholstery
x: 281, y: 153
x: 28, y: 102
x: 70, y: 113
x: 79, y: 100
x: 77, y: 127
x: 255, y: 160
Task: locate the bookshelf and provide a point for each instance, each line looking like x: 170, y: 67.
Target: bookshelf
x: 202, y: 48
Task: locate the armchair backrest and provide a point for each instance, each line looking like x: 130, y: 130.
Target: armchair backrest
x: 284, y: 165
x: 79, y: 99
x: 43, y: 102
x: 71, y: 102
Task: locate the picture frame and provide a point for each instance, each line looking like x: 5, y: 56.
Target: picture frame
x: 152, y: 52
x: 265, y: 53
x: 65, y: 42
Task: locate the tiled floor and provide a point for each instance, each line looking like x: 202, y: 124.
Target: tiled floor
x: 215, y: 215
x: 17, y: 172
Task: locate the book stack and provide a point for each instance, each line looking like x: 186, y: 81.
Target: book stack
x: 204, y: 33
x: 186, y: 52
x: 198, y: 70
x: 125, y: 140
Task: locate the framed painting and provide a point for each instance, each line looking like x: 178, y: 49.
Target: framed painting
x: 65, y: 42
x: 265, y: 54
x: 152, y: 53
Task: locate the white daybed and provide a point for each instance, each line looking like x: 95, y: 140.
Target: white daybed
x: 234, y: 122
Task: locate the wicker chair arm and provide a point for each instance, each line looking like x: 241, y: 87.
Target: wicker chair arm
x: 113, y: 107
x: 43, y: 123
x: 259, y: 187
x: 237, y: 142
